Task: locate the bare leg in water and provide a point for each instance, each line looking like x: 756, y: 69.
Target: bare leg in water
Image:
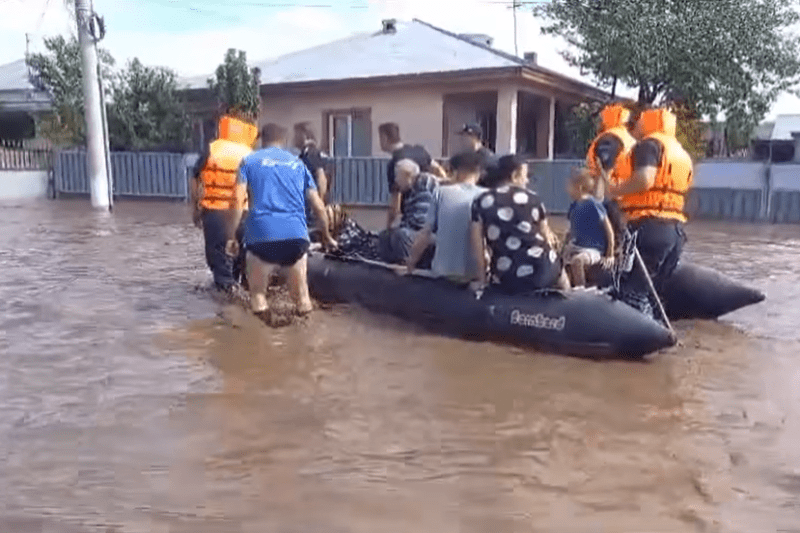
x: 298, y: 285
x: 258, y: 275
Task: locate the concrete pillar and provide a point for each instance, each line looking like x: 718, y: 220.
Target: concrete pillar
x: 796, y: 137
x: 551, y: 135
x: 507, y: 103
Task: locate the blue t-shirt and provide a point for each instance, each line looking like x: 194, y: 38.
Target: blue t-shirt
x: 586, y: 219
x: 277, y: 182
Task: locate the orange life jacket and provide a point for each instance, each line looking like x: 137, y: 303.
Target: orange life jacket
x: 667, y: 197
x: 218, y: 177
x: 613, y: 119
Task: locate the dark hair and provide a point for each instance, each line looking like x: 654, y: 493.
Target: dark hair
x: 273, y: 133
x: 470, y: 161
x: 391, y: 131
x: 304, y: 129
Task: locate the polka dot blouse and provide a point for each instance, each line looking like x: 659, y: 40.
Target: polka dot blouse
x: 511, y: 217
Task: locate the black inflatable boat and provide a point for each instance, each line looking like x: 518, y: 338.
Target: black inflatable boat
x: 576, y: 323
x: 697, y: 292
x: 694, y: 291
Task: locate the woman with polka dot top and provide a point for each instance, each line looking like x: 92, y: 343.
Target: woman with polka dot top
x: 510, y: 220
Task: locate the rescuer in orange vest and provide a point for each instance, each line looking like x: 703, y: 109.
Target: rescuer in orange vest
x: 213, y: 195
x: 611, y: 147
x: 654, y: 196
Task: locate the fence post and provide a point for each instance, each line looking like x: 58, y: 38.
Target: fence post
x: 766, y: 196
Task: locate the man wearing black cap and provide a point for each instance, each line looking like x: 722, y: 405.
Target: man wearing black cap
x: 472, y: 134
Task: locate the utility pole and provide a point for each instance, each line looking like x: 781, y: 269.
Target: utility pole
x: 514, y: 6
x: 93, y: 109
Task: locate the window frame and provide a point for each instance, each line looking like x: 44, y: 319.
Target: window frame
x: 329, y: 131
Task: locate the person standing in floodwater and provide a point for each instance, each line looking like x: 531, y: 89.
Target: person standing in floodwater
x: 277, y: 186
x: 212, y: 193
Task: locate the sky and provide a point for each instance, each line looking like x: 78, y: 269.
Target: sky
x: 191, y: 36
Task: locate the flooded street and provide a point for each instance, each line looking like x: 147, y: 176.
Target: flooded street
x: 131, y: 402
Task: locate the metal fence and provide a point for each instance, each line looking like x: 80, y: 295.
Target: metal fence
x: 722, y: 189
x: 134, y: 174
x: 25, y: 159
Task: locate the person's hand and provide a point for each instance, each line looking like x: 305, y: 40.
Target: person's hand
x: 407, y: 271
x: 330, y: 244
x: 607, y: 262
x: 232, y: 248
x: 477, y: 286
x: 197, y: 218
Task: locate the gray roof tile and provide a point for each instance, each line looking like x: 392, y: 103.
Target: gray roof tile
x: 415, y: 47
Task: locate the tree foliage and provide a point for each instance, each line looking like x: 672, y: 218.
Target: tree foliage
x: 236, y: 85
x: 147, y: 112
x: 710, y: 56
x: 59, y: 72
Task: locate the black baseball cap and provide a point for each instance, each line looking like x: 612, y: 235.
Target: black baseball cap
x: 471, y: 129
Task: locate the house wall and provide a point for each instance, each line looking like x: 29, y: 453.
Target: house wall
x: 418, y: 112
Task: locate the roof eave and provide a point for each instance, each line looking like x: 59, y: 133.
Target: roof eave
x: 564, y: 83
x: 479, y: 74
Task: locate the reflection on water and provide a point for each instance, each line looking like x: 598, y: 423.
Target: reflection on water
x: 130, y: 401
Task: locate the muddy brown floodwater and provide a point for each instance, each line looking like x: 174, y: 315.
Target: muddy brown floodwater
x: 132, y: 402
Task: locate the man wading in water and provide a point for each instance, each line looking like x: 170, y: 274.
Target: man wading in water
x: 212, y: 193
x: 277, y: 186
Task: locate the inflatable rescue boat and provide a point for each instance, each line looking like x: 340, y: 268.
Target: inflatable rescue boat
x: 580, y: 323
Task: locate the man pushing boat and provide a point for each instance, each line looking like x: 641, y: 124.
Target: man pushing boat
x: 277, y: 186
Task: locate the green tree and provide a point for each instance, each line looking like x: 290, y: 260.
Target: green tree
x: 711, y: 56
x: 59, y: 72
x: 236, y: 85
x: 147, y: 112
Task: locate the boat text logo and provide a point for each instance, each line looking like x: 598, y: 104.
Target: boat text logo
x: 539, y: 321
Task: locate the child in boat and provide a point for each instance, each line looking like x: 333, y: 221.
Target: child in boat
x: 449, y: 219
x: 591, y: 232
x: 511, y: 221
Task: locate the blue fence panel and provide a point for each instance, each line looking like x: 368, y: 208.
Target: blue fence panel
x: 549, y: 179
x: 785, y: 194
x: 153, y: 175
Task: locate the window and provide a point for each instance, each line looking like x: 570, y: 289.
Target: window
x: 349, y: 133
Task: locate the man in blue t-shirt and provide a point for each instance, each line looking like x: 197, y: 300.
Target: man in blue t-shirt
x: 277, y: 185
x: 592, y: 236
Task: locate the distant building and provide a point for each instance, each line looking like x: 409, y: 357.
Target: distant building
x: 428, y: 80
x: 20, y: 103
x: 777, y: 140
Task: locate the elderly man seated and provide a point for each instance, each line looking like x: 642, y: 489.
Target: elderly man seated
x: 417, y: 189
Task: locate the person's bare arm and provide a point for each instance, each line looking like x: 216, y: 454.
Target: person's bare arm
x: 640, y: 181
x: 548, y: 234
x: 239, y: 203
x: 322, y: 183
x: 421, y: 243
x: 609, y: 237
x: 478, y: 250
x: 395, y: 200
x: 437, y: 169
x: 322, y: 217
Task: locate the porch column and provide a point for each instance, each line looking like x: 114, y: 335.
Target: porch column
x: 506, y: 141
x: 551, y: 136
x: 545, y: 128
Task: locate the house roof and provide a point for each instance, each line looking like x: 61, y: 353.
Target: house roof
x: 414, y: 48
x: 14, y: 77
x: 763, y: 132
x: 17, y: 93
x: 784, y: 126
